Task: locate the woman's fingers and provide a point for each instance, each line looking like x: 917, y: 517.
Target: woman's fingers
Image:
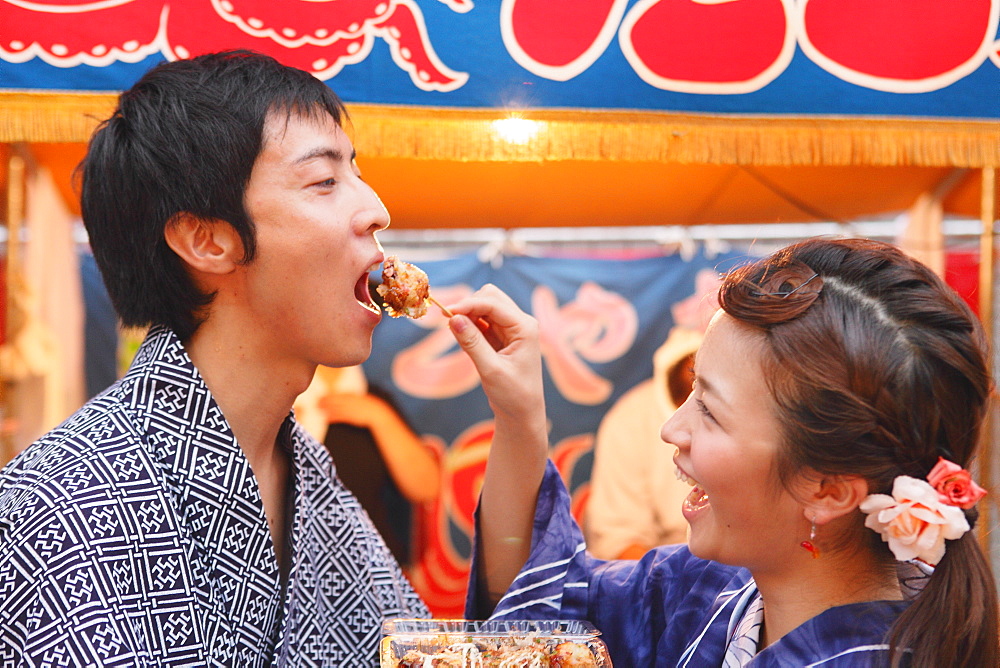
x: 492, y: 304
x: 505, y: 352
x: 469, y: 337
x: 495, y: 315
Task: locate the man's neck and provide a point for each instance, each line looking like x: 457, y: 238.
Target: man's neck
x: 254, y: 390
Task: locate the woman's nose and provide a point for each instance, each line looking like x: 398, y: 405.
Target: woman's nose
x: 676, y: 429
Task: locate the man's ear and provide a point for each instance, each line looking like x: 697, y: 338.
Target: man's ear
x: 836, y: 496
x: 206, y: 244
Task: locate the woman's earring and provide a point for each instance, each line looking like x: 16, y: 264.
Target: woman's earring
x: 809, y: 545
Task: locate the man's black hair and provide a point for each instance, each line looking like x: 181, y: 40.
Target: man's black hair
x: 184, y: 138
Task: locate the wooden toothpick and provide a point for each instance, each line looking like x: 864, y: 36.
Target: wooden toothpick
x: 447, y: 313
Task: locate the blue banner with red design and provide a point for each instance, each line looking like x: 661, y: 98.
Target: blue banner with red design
x: 916, y: 58
x: 600, y: 322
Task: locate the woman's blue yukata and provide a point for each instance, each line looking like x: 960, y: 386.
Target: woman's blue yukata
x: 670, y: 608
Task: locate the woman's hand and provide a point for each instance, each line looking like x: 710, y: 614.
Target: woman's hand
x: 502, y: 341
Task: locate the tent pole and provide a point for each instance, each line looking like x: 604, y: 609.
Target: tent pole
x: 15, y: 221
x: 987, y: 261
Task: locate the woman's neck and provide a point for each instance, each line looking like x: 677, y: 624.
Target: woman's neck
x: 794, y: 596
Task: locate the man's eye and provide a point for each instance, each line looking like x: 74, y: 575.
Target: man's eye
x: 328, y: 183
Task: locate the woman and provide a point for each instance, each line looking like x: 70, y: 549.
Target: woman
x: 837, y: 406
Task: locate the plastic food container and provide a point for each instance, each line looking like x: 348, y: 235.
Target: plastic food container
x: 463, y: 643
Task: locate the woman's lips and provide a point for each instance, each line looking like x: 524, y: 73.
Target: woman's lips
x: 697, y: 498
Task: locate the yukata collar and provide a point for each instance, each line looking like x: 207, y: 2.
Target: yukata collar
x: 855, y: 628
x: 196, y: 450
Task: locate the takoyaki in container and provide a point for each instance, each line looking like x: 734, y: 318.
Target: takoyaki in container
x: 463, y: 643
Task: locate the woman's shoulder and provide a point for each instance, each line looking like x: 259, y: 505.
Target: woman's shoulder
x: 673, y: 576
x: 666, y: 604
x: 840, y: 637
x: 676, y: 562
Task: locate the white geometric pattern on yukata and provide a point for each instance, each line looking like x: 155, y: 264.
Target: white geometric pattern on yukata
x: 134, y: 535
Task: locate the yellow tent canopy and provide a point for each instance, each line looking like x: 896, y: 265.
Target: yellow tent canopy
x: 437, y: 168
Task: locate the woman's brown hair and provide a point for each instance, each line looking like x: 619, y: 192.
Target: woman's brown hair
x: 878, y: 368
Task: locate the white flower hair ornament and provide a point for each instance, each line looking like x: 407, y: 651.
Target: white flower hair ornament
x: 921, y: 515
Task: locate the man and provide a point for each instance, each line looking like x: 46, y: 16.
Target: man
x: 183, y: 517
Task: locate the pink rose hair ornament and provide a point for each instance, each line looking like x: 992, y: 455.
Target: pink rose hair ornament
x: 921, y: 515
x: 954, y: 484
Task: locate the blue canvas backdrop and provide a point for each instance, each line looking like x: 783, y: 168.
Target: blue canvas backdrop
x: 471, y: 42
x: 651, y: 286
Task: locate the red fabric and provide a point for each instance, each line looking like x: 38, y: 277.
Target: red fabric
x: 961, y: 271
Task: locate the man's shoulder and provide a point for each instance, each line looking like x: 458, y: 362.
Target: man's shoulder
x: 634, y: 413
x: 81, y: 464
x: 102, y: 424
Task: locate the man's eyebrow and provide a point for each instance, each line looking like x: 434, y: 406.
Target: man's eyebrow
x: 331, y: 154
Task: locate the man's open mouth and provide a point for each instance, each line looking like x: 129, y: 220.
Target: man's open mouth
x: 363, y: 294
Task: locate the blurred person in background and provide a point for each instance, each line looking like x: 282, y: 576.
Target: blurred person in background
x: 378, y: 456
x: 635, y: 496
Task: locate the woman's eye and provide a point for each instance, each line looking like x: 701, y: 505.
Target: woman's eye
x: 703, y: 409
x: 328, y: 183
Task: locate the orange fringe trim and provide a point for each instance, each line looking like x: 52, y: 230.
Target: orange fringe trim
x: 470, y: 134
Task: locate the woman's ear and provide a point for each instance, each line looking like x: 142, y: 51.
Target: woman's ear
x: 207, y: 245
x: 835, y: 496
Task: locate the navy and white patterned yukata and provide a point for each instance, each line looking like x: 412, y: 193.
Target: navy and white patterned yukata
x: 134, y: 535
x: 671, y: 608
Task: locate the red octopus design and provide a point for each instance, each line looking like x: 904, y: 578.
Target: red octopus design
x: 319, y: 36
